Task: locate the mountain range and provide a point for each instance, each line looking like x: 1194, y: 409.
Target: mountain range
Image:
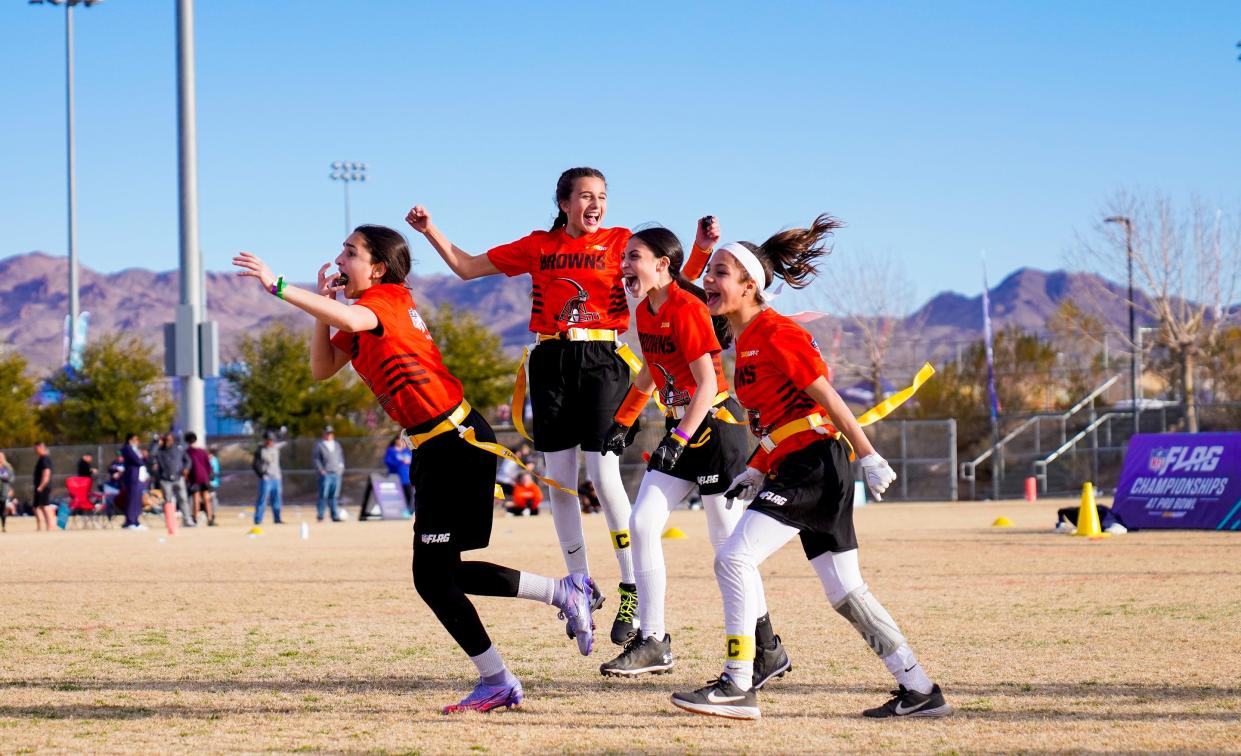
x: 33, y: 302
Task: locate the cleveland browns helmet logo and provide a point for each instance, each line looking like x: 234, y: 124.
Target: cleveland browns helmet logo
x: 573, y: 311
x: 669, y: 394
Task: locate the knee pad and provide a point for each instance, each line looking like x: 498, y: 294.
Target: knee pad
x: 871, y: 620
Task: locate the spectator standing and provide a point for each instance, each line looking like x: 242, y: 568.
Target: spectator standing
x: 132, y: 486
x: 398, y: 458
x: 329, y: 460
x: 506, y: 475
x: 526, y: 495
x: 6, y: 491
x: 172, y: 467
x: 44, y: 510
x: 267, y: 467
x: 199, y: 478
x: 213, y: 454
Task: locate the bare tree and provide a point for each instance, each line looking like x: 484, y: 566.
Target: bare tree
x: 871, y: 295
x: 1185, y: 263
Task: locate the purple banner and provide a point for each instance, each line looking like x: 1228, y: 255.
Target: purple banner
x: 1181, y: 480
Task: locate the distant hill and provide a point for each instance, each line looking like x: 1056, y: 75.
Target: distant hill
x: 33, y: 302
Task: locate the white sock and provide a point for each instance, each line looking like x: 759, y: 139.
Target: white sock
x: 489, y: 665
x: 566, y: 510
x: 720, y: 525
x: 742, y: 672
x: 604, y: 471
x: 646, y: 526
x: 905, y: 668
x: 536, y: 587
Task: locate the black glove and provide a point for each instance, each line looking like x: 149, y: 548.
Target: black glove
x: 616, y: 439
x: 665, y: 456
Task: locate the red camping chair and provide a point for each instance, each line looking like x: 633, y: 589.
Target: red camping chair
x: 81, y: 503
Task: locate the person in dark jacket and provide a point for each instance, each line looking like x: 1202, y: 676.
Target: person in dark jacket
x: 172, y: 467
x: 132, y: 486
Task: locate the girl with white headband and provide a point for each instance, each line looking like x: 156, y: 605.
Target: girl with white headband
x: 799, y: 477
x: 705, y: 445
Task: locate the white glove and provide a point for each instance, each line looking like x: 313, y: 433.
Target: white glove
x: 878, y: 474
x: 744, y: 486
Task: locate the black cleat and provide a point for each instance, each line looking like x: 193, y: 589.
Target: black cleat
x: 720, y: 698
x: 641, y: 656
x: 769, y: 663
x: 911, y: 703
x: 623, y: 628
x: 596, y: 601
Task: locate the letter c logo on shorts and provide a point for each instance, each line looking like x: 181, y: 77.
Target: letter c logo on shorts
x: 620, y: 539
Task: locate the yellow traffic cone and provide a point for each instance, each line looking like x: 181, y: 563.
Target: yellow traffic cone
x: 1088, y: 515
x: 674, y: 534
x: 1002, y: 522
x: 255, y: 531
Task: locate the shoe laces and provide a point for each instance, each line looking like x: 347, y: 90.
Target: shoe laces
x: 628, y: 606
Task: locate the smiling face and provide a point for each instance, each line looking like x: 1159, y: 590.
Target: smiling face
x: 727, y: 285
x: 354, y: 264
x: 642, y: 270
x: 586, y: 206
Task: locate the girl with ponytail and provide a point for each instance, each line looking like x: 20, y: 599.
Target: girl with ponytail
x: 799, y: 478
x: 578, y: 369
x: 705, y: 445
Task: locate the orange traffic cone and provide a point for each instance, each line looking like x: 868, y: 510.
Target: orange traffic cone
x: 1088, y: 515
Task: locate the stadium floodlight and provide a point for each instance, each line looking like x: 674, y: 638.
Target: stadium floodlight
x: 1133, y: 358
x: 69, y: 160
x: 347, y: 172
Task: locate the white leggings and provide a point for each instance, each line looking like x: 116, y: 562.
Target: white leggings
x: 604, y: 471
x: 658, y: 493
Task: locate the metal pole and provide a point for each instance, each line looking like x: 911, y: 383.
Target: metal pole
x: 73, y: 194
x: 191, y: 410
x: 1133, y: 357
x: 953, y: 492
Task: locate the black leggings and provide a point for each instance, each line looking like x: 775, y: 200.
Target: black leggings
x: 443, y: 580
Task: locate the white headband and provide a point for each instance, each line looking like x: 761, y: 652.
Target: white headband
x: 749, y: 261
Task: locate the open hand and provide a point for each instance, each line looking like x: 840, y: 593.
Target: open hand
x: 252, y: 265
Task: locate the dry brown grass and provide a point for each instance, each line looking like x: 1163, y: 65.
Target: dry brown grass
x: 212, y: 641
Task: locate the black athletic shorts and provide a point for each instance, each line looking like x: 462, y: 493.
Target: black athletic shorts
x: 575, y: 389
x: 454, y: 488
x: 43, y: 498
x: 716, y: 454
x: 812, y: 490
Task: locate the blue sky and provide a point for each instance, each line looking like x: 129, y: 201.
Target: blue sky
x: 935, y: 130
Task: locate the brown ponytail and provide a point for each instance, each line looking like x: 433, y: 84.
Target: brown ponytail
x: 790, y: 254
x: 564, y: 189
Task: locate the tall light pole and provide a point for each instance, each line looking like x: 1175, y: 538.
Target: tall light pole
x: 72, y: 191
x: 1133, y: 359
x: 347, y: 172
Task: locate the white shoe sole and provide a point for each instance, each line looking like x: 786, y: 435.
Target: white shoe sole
x: 661, y: 669
x: 719, y: 710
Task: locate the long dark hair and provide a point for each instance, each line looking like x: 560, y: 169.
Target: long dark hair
x: 389, y: 247
x: 790, y: 254
x: 664, y: 243
x: 564, y: 189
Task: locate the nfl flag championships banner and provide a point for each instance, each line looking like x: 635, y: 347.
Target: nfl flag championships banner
x: 1181, y: 480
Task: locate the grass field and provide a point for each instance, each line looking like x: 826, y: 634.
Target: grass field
x: 214, y: 641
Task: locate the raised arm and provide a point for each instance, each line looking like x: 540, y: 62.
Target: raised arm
x: 465, y: 265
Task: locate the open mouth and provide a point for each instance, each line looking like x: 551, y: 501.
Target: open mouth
x: 342, y: 279
x: 590, y: 219
x: 631, y: 285
x: 713, y: 298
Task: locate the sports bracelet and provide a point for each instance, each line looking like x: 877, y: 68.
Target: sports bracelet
x: 680, y: 435
x: 277, y: 288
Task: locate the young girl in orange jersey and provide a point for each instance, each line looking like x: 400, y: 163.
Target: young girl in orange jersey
x: 799, y: 477
x: 577, y: 373
x: 385, y: 339
x: 705, y: 444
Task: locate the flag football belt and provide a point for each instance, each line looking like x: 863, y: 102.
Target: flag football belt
x: 571, y: 334
x: 453, y: 422
x: 871, y: 416
x: 813, y: 422
x: 718, y: 410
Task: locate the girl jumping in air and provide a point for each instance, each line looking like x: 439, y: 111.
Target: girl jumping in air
x: 799, y: 477
x: 386, y: 340
x: 579, y: 370
x: 705, y: 445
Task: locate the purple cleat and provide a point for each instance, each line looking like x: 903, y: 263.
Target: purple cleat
x: 486, y: 697
x: 575, y: 607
